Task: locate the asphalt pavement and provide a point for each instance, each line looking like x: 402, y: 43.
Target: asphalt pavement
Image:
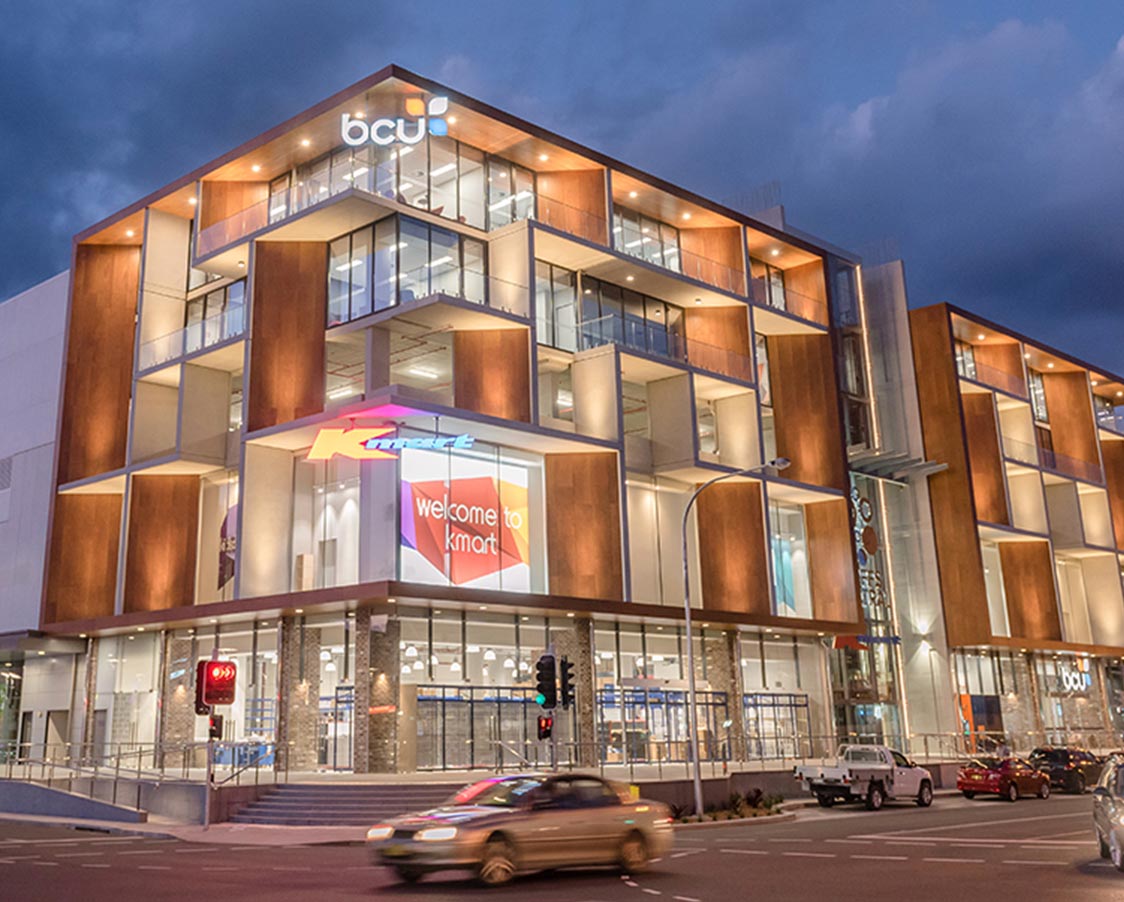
x: 966, y: 851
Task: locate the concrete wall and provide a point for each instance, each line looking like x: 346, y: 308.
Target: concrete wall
x: 31, y: 342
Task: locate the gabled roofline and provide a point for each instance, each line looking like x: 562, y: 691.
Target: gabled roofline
x: 395, y: 71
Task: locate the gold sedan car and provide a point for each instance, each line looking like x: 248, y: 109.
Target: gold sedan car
x: 507, y: 825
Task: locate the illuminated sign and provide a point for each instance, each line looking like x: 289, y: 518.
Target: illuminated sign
x: 863, y: 642
x: 424, y: 117
x: 379, y: 443
x: 214, y: 683
x: 1074, y: 679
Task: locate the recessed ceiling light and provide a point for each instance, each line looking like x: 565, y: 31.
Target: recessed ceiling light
x: 241, y: 264
x: 630, y: 278
x: 543, y: 157
x: 981, y: 337
x: 775, y: 252
x: 360, y: 114
x: 686, y: 215
x: 129, y: 233
x: 1120, y: 394
x: 305, y: 142
x: 1026, y: 356
x: 698, y: 300
x: 452, y: 120
x: 193, y: 201
x: 632, y: 194
x: 1095, y: 383
x: 255, y: 168
x: 1049, y: 366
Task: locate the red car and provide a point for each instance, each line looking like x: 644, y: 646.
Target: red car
x: 1007, y: 778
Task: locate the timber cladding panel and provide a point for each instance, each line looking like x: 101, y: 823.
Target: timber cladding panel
x: 492, y: 373
x: 714, y: 255
x: 1113, y: 453
x: 290, y: 291
x: 806, y: 408
x: 85, y: 536
x: 163, y: 537
x: 831, y: 561
x: 1028, y: 583
x: 731, y: 529
x: 574, y: 201
x: 1072, y: 427
x: 806, y: 291
x: 950, y: 492
x: 1005, y: 357
x: 989, y: 483
x: 583, y: 525
x: 221, y: 200
x: 99, y: 361
x: 711, y: 331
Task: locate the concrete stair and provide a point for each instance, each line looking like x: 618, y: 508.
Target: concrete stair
x: 342, y: 804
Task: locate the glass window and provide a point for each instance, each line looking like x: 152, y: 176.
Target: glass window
x: 965, y: 360
x: 316, y: 183
x: 1038, y: 397
x: 471, y: 188
x: 763, y: 371
x: 474, y: 270
x: 501, y: 190
x: 279, y: 198
x: 443, y: 176
x: 339, y: 280
x: 524, y: 203
x: 361, y: 260
x: 790, y: 560
x: 385, y: 160
x: 444, y: 262
x: 341, y: 171
x: 413, y: 175
x: 386, y: 263
x: 651, y: 246
x: 413, y: 254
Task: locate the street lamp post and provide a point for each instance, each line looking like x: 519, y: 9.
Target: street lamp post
x: 692, y: 695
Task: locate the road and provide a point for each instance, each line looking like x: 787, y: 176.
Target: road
x: 967, y: 851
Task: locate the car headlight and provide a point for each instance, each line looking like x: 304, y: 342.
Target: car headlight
x: 435, y: 834
x: 381, y: 831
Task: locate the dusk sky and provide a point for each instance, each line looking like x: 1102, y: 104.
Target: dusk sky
x: 984, y: 143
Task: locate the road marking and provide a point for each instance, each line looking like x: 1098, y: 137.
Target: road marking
x: 955, y: 860
x: 686, y: 899
x: 631, y: 883
x: 651, y: 892
x: 189, y: 851
x: 745, y: 851
x: 961, y: 826
x: 154, y: 867
x: 881, y: 857
x: 911, y: 842
x: 988, y: 844
x: 144, y: 852
x: 88, y: 865
x: 790, y: 840
x: 222, y: 867
x: 46, y: 864
x: 983, y: 841
x: 853, y: 842
x: 79, y: 854
x: 1032, y: 861
x: 810, y: 854
x: 291, y: 869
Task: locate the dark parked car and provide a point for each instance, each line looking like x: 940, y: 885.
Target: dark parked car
x: 1069, y: 768
x: 1108, y: 812
x: 1008, y: 778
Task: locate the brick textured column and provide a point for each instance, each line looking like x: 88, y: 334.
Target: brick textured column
x: 177, y: 703
x: 576, y: 644
x: 723, y: 674
x: 89, y: 697
x: 360, y: 726
x: 384, y: 714
x: 298, y: 716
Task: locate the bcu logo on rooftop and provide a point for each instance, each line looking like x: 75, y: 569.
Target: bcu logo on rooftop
x: 423, y: 117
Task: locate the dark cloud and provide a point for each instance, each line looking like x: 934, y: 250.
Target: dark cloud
x: 986, y: 140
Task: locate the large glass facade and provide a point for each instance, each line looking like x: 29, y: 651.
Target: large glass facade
x: 791, y: 581
x: 215, y: 317
x: 646, y: 238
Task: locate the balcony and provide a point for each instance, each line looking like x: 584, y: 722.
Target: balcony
x: 651, y: 339
x: 1020, y: 451
x: 570, y: 219
x: 1071, y: 466
x: 768, y: 294
x: 206, y: 333
x: 990, y: 376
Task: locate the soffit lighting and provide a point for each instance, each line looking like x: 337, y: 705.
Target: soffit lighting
x: 255, y: 168
x: 1050, y: 366
x: 524, y: 666
x: 630, y: 278
x: 330, y: 667
x: 129, y: 233
x: 359, y: 115
x: 405, y: 669
x: 1026, y: 356
x: 305, y: 142
x: 632, y: 194
x: 193, y: 201
x: 775, y: 252
x: 543, y: 157
x: 1095, y: 383
x: 686, y: 216
x: 452, y: 120
x: 981, y: 337
x: 325, y: 655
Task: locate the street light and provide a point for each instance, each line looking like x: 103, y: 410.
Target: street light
x: 776, y: 465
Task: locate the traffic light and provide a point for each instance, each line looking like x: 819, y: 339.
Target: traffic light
x: 214, y: 726
x: 546, y: 726
x: 566, y: 678
x: 546, y: 686
x: 214, y: 684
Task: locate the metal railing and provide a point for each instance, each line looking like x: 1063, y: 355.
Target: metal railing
x: 1018, y: 450
x: 570, y: 219
x: 768, y: 294
x: 1011, y: 383
x: 1071, y: 466
x: 206, y: 333
x: 655, y: 339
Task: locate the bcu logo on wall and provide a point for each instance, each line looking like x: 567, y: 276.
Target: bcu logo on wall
x: 378, y: 443
x: 421, y: 117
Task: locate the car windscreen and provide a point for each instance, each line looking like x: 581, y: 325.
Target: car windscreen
x: 1053, y: 756
x: 870, y: 756
x: 505, y: 793
x: 984, y: 763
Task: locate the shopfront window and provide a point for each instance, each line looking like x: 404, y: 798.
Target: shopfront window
x: 790, y: 560
x: 325, y: 534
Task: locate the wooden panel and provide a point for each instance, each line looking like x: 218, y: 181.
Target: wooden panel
x: 714, y: 256
x: 1072, y: 426
x: 492, y: 373
x: 806, y: 408
x: 711, y: 331
x: 989, y: 486
x: 1005, y: 358
x: 1028, y: 582
x: 99, y: 361
x: 85, y: 535
x: 163, y: 535
x: 734, y: 567
x: 805, y: 292
x: 221, y: 200
x: 1113, y: 454
x: 954, y: 518
x: 831, y: 560
x: 574, y: 202
x: 583, y: 525
x: 287, y: 349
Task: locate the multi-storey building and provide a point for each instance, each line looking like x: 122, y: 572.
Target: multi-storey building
x: 391, y: 398
x: 1029, y: 526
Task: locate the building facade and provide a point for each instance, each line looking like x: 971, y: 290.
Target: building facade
x: 394, y: 398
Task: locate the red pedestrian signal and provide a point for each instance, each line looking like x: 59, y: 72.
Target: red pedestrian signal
x: 546, y: 726
x: 214, y: 683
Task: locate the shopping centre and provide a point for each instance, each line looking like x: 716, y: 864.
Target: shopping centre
x: 393, y: 398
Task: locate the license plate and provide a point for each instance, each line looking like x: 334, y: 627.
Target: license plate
x: 395, y: 851
x: 977, y: 777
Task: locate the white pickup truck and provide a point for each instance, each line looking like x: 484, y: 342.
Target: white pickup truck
x: 867, y: 773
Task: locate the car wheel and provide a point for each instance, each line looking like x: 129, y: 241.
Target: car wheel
x: 408, y: 875
x: 1044, y: 790
x: 1079, y: 785
x: 1115, y: 851
x: 925, y: 795
x: 825, y: 801
x: 1012, y: 792
x: 633, y: 854
x: 874, y: 798
x: 497, y: 863
x: 968, y: 794
x: 1102, y: 846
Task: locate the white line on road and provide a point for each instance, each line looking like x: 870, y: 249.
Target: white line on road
x: 46, y: 864
x: 962, y: 825
x: 651, y: 892
x: 810, y: 854
x: 852, y: 842
x: 154, y: 867
x: 79, y: 854
x: 911, y: 842
x: 790, y: 840
x: 745, y: 851
x: 881, y: 857
x: 144, y: 852
x: 90, y: 865
x: 955, y: 860
x: 685, y: 899
x: 983, y: 844
x: 1032, y: 861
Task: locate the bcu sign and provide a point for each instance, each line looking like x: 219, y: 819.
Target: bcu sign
x: 377, y: 443
x: 423, y: 117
